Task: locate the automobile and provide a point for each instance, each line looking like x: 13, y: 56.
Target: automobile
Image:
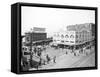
x: 88, y: 47
x: 54, y: 45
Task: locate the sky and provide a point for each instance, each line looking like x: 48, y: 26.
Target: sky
x: 53, y: 19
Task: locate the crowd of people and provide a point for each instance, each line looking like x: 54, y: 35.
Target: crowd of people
x: 46, y: 59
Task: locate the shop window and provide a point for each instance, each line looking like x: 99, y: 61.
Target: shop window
x: 62, y: 41
x: 26, y: 53
x: 72, y: 41
x: 67, y: 41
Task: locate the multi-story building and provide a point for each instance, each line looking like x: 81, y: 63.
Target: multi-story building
x: 36, y: 35
x: 66, y: 37
x: 75, y: 34
x: 93, y: 30
x: 83, y: 32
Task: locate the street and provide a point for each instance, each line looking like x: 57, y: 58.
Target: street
x: 68, y: 60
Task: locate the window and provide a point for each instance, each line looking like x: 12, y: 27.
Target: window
x: 23, y: 49
x: 67, y: 41
x: 26, y: 53
x: 76, y: 41
x: 62, y: 41
x: 62, y: 36
x: 66, y: 36
x: 76, y: 36
x: 72, y: 41
x: 28, y: 39
x: 80, y: 35
x: 80, y: 41
x: 72, y: 36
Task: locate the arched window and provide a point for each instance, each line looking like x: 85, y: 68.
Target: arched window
x: 72, y: 36
x: 66, y: 36
x: 62, y: 36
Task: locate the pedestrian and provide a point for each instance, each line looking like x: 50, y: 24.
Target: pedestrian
x: 54, y: 59
x: 35, y: 50
x: 37, y: 66
x: 66, y: 52
x: 44, y: 62
x: 74, y: 54
x: 48, y: 58
x: 40, y: 62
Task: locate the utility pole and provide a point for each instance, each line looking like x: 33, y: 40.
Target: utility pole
x: 31, y: 53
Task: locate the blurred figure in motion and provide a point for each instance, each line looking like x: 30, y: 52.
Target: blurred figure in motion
x: 54, y: 59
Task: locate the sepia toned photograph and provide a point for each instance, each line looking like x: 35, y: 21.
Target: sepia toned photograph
x: 57, y: 38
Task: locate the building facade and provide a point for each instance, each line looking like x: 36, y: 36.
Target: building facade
x: 36, y: 34
x: 66, y: 38
x: 75, y: 34
x: 33, y: 37
x: 83, y: 32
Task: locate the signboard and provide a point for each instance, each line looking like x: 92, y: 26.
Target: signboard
x: 36, y: 29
